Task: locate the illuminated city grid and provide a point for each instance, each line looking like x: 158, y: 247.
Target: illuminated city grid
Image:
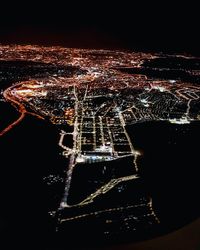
x: 98, y: 98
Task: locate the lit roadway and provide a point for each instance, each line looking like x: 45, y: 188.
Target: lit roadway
x: 72, y: 159
x: 76, y: 151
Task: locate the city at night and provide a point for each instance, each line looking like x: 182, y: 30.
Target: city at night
x: 99, y: 133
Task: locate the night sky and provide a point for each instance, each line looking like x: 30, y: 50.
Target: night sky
x: 132, y: 26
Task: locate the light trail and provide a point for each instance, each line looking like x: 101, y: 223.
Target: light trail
x: 105, y: 188
x: 104, y: 211
x: 21, y: 109
x: 12, y: 125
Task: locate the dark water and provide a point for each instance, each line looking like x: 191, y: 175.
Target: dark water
x: 29, y: 152
x: 8, y: 114
x: 171, y: 62
x: 167, y: 68
x: 169, y: 166
x: 164, y: 74
x: 18, y: 70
